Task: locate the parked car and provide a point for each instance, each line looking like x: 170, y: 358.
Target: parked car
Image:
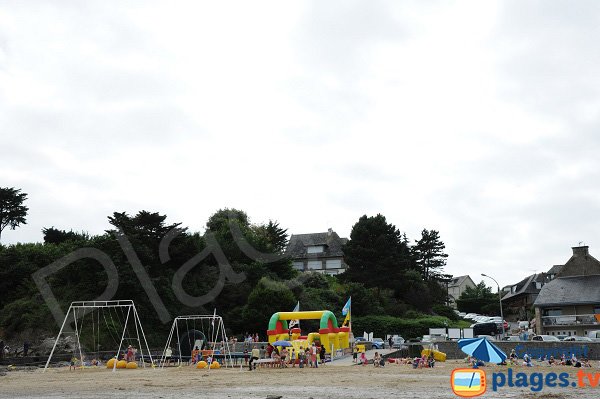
x: 577, y: 339
x: 489, y: 328
x: 594, y: 335
x: 512, y: 338
x: 498, y: 320
x: 545, y: 338
x: 398, y: 343
x: 360, y: 340
x: 378, y: 343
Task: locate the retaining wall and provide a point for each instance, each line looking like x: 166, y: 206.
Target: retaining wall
x: 536, y: 349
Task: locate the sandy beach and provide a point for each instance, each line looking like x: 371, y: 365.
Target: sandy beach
x: 326, y: 382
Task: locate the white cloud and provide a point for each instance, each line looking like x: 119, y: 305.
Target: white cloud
x: 477, y: 119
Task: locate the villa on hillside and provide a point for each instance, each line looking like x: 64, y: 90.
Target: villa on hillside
x: 318, y: 252
x: 456, y: 286
x: 570, y: 303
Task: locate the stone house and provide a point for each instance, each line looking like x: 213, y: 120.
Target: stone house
x: 570, y: 303
x: 318, y: 252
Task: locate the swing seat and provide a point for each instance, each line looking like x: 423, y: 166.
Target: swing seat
x: 110, y: 364
x: 122, y: 364
x: 132, y: 365
x: 215, y: 365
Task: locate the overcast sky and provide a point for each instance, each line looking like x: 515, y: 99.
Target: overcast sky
x: 476, y: 119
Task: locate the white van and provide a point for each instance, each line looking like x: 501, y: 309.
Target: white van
x: 594, y: 335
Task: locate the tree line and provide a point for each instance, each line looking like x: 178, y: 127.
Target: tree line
x: 387, y: 276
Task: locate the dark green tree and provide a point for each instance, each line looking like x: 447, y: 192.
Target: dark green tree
x: 429, y: 255
x: 377, y: 255
x: 12, y: 210
x: 56, y: 236
x: 266, y: 298
x: 478, y: 299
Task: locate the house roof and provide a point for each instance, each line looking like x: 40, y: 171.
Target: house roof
x: 581, y: 263
x: 577, y: 290
x: 526, y: 286
x: 555, y: 269
x: 458, y: 281
x: 332, y: 243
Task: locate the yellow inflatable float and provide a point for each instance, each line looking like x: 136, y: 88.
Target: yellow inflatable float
x: 437, y: 355
x: 201, y: 364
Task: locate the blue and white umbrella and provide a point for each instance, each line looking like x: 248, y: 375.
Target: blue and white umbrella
x: 482, y: 349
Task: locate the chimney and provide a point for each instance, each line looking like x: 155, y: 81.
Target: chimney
x: 329, y: 232
x: 580, y: 251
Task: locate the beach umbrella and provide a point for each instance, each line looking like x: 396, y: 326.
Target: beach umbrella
x: 482, y: 349
x: 282, y: 343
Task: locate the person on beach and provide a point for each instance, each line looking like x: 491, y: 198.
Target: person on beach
x: 195, y: 354
x: 363, y: 359
x: 355, y: 354
x: 72, y: 364
x: 313, y: 355
x: 293, y: 358
x: 301, y: 355
x: 129, y: 357
x: 322, y: 354
x: 377, y: 360
x: 255, y: 356
x: 284, y: 355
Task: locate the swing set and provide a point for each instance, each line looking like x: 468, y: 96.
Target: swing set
x: 189, y: 337
x: 119, y: 331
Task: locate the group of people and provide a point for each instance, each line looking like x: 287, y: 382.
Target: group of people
x: 5, y: 350
x: 270, y: 356
x: 251, y: 338
x: 565, y: 361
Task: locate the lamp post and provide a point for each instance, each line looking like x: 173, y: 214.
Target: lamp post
x: 499, y: 297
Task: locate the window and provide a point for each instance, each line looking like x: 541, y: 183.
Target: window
x: 315, y: 249
x: 333, y: 264
x: 553, y: 312
x: 538, y: 285
x: 298, y: 266
x: 315, y: 264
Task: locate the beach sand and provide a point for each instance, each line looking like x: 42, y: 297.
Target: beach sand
x: 346, y: 382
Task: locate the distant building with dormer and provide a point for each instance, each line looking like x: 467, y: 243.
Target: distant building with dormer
x: 318, y: 252
x: 456, y: 286
x: 569, y: 304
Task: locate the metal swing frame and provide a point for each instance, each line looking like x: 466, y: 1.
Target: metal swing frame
x: 218, y: 328
x: 86, y: 307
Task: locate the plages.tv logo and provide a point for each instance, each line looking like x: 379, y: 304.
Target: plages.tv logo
x: 468, y: 383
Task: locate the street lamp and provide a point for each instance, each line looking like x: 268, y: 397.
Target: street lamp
x: 500, y: 297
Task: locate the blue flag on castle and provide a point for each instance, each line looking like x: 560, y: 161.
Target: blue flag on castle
x: 346, y: 307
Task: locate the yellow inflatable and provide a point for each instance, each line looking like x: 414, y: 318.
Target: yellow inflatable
x: 215, y: 365
x: 201, y: 364
x: 110, y: 364
x: 122, y: 364
x: 132, y: 365
x: 437, y: 355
